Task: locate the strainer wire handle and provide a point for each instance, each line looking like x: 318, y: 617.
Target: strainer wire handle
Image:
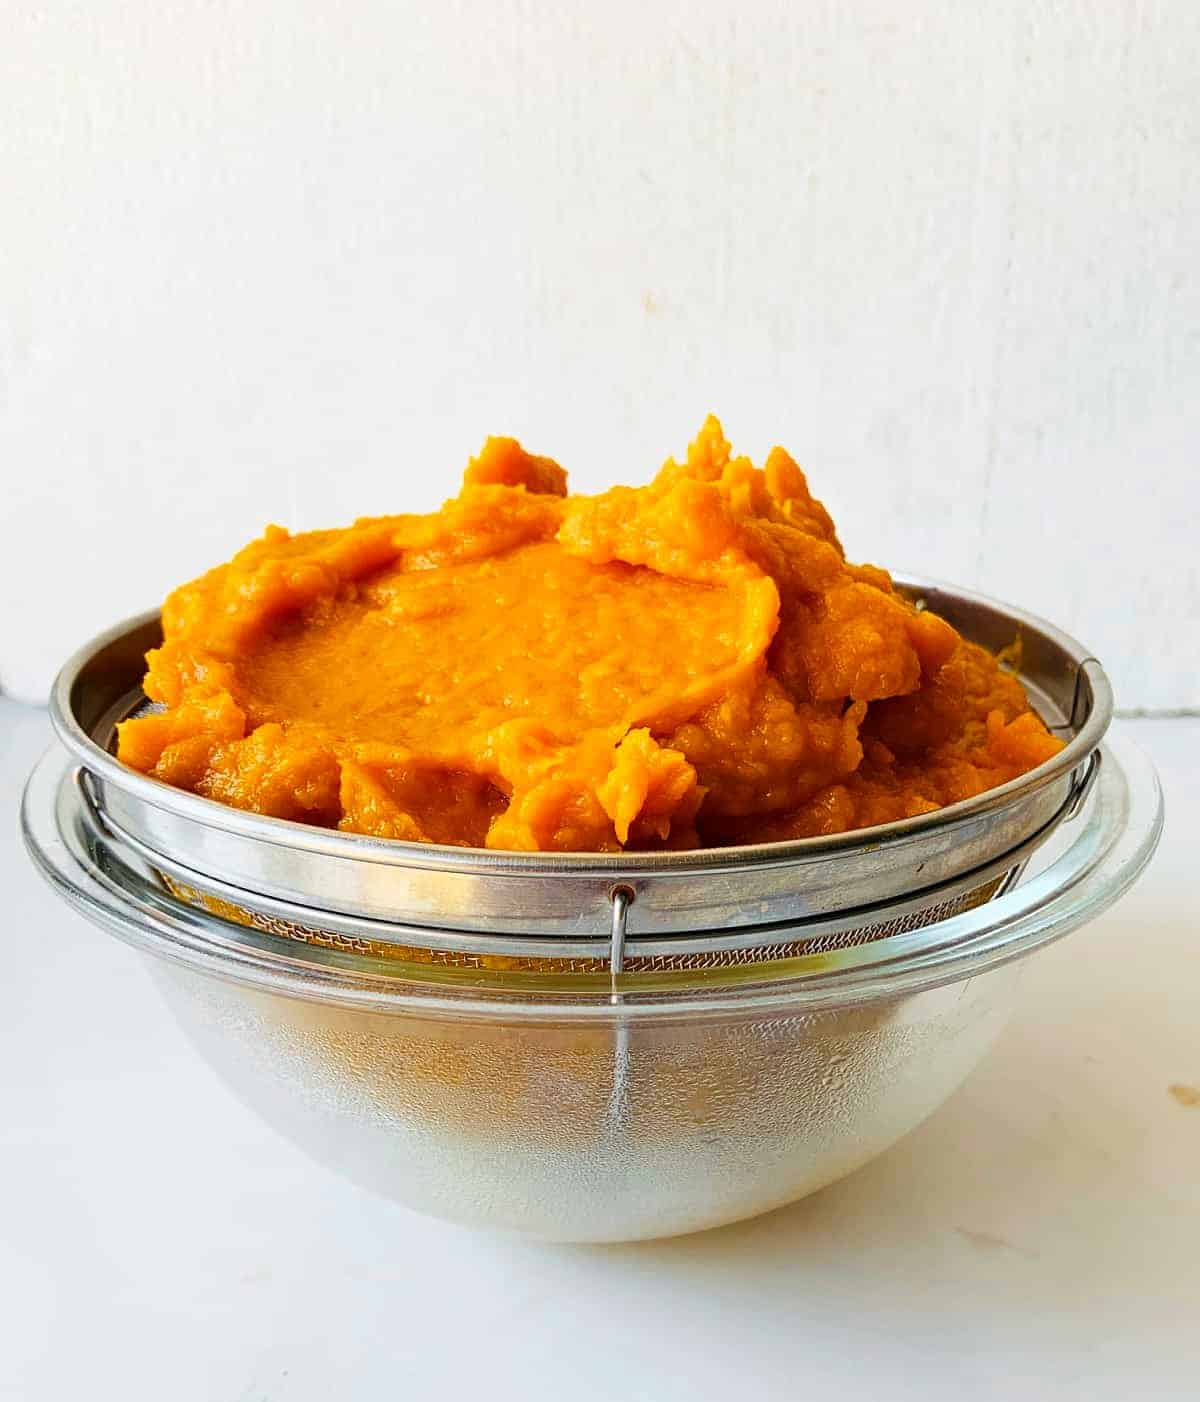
x: 622, y: 898
x: 1084, y: 778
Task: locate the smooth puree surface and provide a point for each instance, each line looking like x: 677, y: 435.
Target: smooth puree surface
x: 692, y: 662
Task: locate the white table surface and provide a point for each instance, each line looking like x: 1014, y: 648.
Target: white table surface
x: 1038, y: 1238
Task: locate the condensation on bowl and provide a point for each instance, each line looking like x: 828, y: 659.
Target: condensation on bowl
x: 612, y: 1132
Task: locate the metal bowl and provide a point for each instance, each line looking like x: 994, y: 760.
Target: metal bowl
x: 282, y: 868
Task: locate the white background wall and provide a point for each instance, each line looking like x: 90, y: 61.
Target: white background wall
x: 292, y: 262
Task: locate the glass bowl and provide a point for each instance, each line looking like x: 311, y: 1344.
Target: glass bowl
x: 573, y: 1107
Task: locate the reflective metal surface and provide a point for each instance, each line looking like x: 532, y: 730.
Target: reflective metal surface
x: 1083, y: 868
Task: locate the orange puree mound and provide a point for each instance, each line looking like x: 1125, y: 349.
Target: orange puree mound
x: 691, y: 662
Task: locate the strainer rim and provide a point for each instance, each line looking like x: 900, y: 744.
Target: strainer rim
x: 358, y: 847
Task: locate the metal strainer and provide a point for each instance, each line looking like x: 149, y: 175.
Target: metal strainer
x: 626, y: 913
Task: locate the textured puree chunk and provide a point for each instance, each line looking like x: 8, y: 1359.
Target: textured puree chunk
x: 689, y: 662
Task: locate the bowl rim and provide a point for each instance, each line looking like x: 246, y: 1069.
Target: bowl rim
x: 300, y: 837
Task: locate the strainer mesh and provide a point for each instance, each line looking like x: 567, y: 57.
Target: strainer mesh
x: 634, y: 963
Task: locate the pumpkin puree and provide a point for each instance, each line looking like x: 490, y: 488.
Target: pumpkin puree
x: 693, y: 662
